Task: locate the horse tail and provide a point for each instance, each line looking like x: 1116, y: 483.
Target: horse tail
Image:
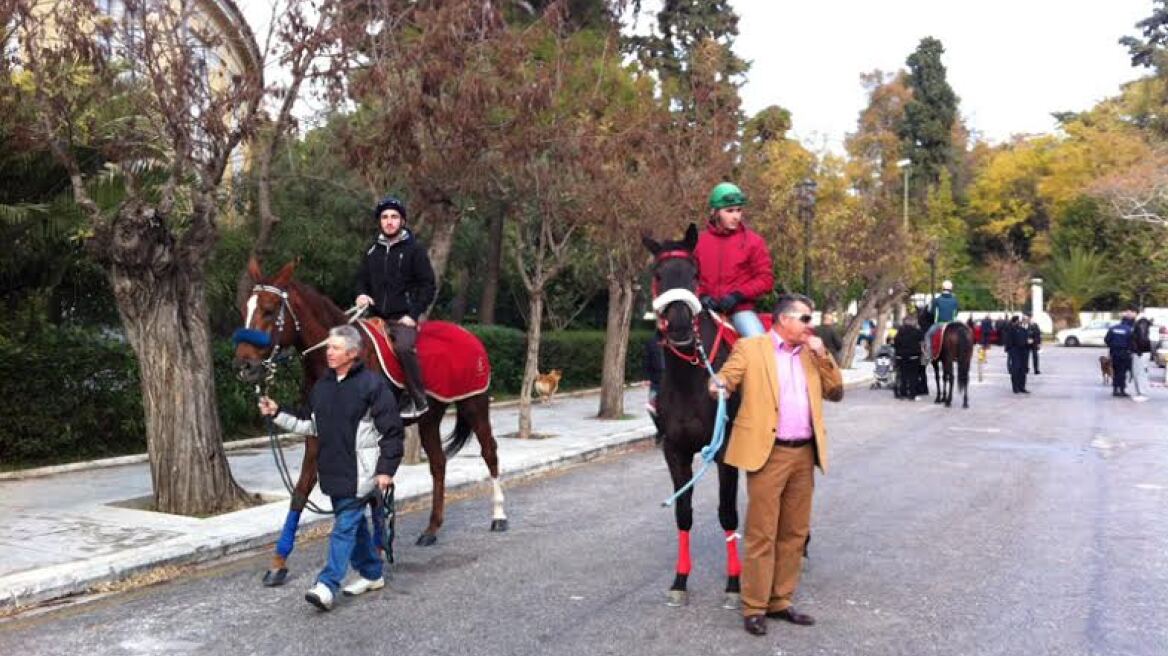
x: 458, y: 437
x: 964, y: 355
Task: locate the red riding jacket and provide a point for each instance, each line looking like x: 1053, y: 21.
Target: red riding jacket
x: 734, y: 262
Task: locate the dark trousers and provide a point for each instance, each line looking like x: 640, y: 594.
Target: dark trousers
x: 1120, y: 366
x: 1018, y: 363
x: 908, y: 371
x: 1034, y: 356
x: 404, y: 337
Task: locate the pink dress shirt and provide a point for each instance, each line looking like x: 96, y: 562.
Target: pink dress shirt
x: 794, y: 403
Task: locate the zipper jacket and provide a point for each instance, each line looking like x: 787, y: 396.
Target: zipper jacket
x: 360, y: 432
x: 397, y: 275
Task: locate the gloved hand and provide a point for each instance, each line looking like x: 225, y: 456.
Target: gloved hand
x: 727, y: 303
x: 709, y: 303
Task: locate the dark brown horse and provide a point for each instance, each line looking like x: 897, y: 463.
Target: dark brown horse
x: 956, y: 348
x: 290, y: 314
x: 685, y: 411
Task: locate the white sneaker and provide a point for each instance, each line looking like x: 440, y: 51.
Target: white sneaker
x: 361, y: 585
x: 1139, y: 398
x: 320, y: 596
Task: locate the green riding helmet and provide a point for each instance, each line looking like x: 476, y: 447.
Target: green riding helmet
x: 726, y: 194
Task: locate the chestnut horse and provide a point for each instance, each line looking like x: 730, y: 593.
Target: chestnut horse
x: 685, y: 411
x: 288, y: 314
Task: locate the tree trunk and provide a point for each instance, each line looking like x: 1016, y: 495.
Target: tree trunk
x: 165, y: 317
x: 490, y: 295
x: 413, y: 448
x: 881, y: 329
x: 616, y: 348
x: 441, y: 243
x: 461, y: 295
x: 531, y: 370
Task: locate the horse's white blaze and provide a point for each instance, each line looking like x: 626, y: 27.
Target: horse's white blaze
x: 677, y: 294
x: 497, y: 498
x: 252, y: 303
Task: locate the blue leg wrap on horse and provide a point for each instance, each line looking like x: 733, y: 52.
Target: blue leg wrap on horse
x: 288, y: 535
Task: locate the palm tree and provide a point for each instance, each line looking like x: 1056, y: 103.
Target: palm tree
x: 1079, y: 276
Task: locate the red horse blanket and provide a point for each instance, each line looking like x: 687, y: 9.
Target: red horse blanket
x: 454, y: 362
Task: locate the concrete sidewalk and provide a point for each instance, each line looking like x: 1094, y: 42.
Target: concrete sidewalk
x: 67, y: 532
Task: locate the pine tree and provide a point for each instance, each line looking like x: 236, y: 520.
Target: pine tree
x: 927, y: 129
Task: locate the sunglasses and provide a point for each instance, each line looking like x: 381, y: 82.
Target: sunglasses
x: 805, y: 318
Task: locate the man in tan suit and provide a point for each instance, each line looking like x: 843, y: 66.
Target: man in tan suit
x: 778, y: 438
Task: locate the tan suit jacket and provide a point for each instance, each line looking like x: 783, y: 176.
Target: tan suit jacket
x: 751, y: 368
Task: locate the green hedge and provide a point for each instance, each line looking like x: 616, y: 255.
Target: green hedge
x: 70, y: 395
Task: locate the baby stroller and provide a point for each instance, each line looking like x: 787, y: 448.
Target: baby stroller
x: 885, y: 356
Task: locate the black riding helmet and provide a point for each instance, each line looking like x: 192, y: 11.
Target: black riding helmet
x: 390, y: 203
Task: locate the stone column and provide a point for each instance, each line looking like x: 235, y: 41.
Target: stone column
x: 1038, y: 307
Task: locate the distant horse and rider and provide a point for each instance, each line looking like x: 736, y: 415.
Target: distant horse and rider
x: 282, y: 313
x: 953, y: 346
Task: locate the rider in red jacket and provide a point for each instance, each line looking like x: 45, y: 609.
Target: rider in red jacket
x: 733, y: 260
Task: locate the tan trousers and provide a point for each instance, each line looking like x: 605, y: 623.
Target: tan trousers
x: 778, y: 521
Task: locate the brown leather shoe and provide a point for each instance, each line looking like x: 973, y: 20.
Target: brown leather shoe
x: 793, y: 616
x: 754, y: 624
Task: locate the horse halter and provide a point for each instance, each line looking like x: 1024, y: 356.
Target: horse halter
x: 272, y: 335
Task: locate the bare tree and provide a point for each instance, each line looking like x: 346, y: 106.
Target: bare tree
x: 143, y: 91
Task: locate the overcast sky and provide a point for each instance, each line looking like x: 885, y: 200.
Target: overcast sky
x: 1012, y: 62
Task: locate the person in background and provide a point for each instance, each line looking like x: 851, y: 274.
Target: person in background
x: 1119, y: 342
x: 829, y: 332
x: 1035, y: 335
x: 1141, y: 356
x: 908, y: 358
x: 987, y: 331
x: 1017, y: 344
x: 654, y: 365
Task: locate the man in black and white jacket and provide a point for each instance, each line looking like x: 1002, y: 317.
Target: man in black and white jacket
x: 353, y: 413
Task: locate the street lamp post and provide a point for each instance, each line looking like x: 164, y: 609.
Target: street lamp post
x: 932, y: 268
x: 806, y: 197
x: 906, y: 165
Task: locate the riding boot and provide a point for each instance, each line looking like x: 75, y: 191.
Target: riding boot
x: 415, y: 404
x: 404, y: 337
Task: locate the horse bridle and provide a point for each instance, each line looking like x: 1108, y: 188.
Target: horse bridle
x: 270, y: 363
x: 664, y: 299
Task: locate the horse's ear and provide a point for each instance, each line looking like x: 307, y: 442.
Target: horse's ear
x: 648, y: 242
x: 691, y: 237
x: 285, y: 275
x: 253, y: 269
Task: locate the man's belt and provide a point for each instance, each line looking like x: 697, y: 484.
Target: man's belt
x: 794, y: 444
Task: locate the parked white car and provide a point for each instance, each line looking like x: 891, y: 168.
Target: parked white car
x: 1090, y: 335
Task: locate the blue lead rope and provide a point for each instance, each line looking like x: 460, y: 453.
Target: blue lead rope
x: 709, y: 451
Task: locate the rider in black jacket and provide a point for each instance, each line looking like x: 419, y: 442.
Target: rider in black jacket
x: 396, y: 282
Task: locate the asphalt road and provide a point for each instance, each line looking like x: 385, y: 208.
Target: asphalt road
x: 1034, y: 525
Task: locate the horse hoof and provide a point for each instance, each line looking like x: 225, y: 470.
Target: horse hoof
x: 498, y: 525
x: 732, y: 601
x: 275, y: 577
x: 426, y: 540
x: 677, y: 599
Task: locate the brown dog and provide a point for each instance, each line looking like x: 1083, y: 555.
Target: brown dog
x: 1105, y: 369
x: 547, y: 384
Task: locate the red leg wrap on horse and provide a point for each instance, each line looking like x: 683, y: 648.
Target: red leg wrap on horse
x: 683, y: 564
x: 733, y: 565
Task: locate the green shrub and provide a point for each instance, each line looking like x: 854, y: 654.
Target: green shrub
x: 68, y: 395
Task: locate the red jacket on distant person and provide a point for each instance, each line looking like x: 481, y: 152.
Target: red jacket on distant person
x: 734, y: 262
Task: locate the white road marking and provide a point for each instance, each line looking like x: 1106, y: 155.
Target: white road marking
x: 971, y: 429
